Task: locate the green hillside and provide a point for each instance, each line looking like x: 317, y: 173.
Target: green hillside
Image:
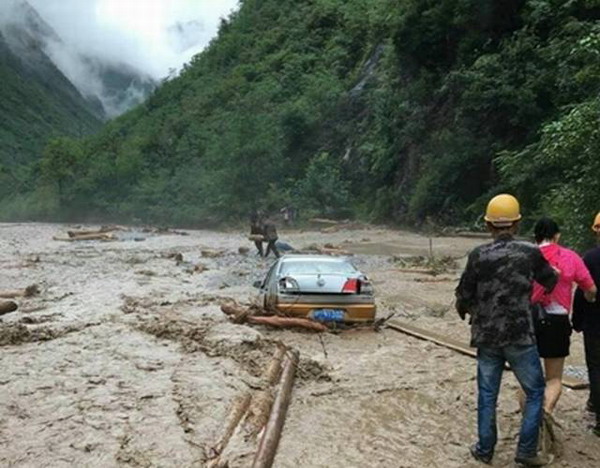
x: 390, y: 110
x: 36, y: 103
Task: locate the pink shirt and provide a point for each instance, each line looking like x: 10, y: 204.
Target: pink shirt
x: 572, y: 270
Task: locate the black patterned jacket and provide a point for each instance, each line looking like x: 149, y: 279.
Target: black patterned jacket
x: 495, y: 289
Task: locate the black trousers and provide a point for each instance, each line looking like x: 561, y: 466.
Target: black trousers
x: 271, y: 247
x: 259, y: 246
x: 591, y: 341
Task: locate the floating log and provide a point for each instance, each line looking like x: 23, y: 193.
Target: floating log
x: 211, y: 253
x: 462, y: 348
x: 417, y: 271
x: 273, y: 370
x: 84, y: 237
x: 29, y: 291
x: 267, y: 449
x: 239, y: 314
x: 7, y: 306
x: 92, y: 232
x: 288, y: 322
x: 434, y: 280
x: 236, y: 413
x: 258, y: 412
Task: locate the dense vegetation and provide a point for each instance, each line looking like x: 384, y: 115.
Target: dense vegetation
x: 36, y: 103
x: 397, y: 110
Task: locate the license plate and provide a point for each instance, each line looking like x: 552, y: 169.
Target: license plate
x: 328, y: 315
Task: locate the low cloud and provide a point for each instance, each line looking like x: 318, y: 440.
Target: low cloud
x: 145, y: 39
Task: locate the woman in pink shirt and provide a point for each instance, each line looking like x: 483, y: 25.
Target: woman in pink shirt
x: 552, y: 324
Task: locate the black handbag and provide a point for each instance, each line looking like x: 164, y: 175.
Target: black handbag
x: 539, y: 315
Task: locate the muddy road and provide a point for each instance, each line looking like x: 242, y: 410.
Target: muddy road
x: 124, y: 358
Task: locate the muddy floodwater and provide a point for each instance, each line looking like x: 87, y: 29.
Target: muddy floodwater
x: 124, y: 358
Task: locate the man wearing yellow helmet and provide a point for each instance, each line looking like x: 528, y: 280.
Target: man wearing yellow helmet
x: 586, y: 318
x: 495, y: 290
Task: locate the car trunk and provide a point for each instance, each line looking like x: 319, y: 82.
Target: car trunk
x: 321, y: 284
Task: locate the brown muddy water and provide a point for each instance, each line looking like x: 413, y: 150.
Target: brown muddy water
x: 124, y: 359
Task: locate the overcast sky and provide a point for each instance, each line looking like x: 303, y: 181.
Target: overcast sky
x: 137, y: 32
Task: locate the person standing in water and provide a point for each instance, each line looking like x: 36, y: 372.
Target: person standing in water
x: 256, y: 229
x: 270, y: 232
x: 586, y: 318
x: 552, y: 310
x: 495, y: 290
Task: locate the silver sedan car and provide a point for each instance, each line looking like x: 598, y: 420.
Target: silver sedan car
x: 320, y: 287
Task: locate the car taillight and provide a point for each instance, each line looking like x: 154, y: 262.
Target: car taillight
x: 351, y: 286
x: 357, y: 286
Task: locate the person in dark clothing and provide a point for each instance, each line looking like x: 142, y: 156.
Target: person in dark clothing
x: 495, y: 290
x: 270, y: 233
x: 256, y: 229
x: 586, y: 318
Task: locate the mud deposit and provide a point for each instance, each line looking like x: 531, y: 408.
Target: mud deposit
x: 124, y: 358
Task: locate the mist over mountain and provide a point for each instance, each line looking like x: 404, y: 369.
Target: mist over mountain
x: 37, y: 101
x: 111, y: 87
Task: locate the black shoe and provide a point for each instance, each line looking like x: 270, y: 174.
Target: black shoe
x: 538, y: 460
x: 487, y: 459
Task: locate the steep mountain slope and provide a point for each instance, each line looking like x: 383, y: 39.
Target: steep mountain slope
x: 392, y: 110
x: 37, y: 101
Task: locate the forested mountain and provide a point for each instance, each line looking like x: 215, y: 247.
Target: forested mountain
x: 390, y: 110
x: 37, y: 101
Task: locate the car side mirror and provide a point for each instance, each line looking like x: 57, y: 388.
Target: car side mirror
x: 257, y: 284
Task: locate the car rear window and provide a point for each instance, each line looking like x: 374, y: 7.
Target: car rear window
x: 307, y: 267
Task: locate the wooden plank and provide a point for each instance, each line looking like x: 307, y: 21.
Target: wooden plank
x: 570, y: 382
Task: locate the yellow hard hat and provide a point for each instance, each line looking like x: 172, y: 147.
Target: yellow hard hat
x: 503, y: 210
x: 596, y: 225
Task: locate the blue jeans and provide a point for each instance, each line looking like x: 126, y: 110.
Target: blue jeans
x: 525, y: 363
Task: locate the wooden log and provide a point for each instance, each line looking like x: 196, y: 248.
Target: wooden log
x: 239, y: 407
x: 570, y: 382
x: 435, y: 280
x: 256, y: 237
x: 97, y: 236
x: 273, y: 370
x: 91, y: 232
x: 84, y: 237
x: 235, y: 312
x: 258, y: 412
x: 212, y: 253
x: 29, y: 291
x: 267, y: 449
x: 7, y: 306
x: 416, y: 271
x: 288, y: 322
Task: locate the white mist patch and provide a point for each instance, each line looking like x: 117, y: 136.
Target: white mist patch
x: 153, y: 36
x: 115, y: 52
